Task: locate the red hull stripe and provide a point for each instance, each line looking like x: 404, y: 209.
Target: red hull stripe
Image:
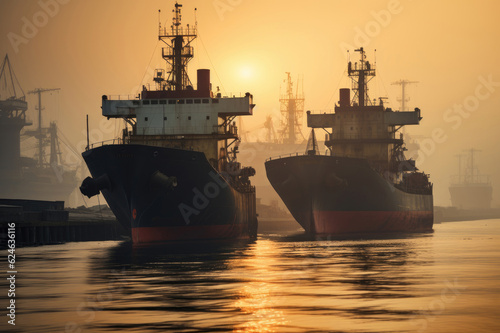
x: 165, y: 234
x: 338, y: 222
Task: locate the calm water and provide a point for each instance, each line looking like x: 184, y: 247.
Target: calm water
x: 446, y: 281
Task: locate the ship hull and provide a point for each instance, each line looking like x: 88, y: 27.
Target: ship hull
x: 338, y: 195
x: 137, y: 184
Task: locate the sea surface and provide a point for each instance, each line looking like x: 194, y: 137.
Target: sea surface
x: 445, y: 281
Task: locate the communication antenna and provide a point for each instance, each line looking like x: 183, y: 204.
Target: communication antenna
x: 159, y: 19
x: 195, y: 18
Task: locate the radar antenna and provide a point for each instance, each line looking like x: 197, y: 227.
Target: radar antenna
x: 361, y: 75
x: 178, y: 51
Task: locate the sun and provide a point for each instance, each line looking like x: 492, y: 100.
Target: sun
x: 246, y: 72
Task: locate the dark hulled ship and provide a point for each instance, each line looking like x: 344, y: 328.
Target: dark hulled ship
x: 470, y: 192
x: 364, y: 184
x: 174, y: 175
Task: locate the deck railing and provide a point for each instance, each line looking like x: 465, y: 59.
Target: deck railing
x: 116, y: 141
x: 296, y: 154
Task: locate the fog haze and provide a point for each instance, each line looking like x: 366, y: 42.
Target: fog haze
x: 91, y: 48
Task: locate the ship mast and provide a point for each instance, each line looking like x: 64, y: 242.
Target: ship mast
x: 292, y: 111
x: 39, y: 135
x: 404, y: 99
x: 459, y: 156
x: 361, y: 76
x: 472, y: 174
x: 468, y: 173
x: 177, y: 53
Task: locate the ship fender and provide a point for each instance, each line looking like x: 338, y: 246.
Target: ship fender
x: 91, y: 186
x: 162, y: 181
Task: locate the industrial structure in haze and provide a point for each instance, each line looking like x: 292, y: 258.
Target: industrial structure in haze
x: 286, y: 138
x: 292, y: 113
x: 470, y: 189
x: 41, y: 176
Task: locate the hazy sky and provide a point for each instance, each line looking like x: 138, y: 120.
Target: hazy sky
x: 89, y: 48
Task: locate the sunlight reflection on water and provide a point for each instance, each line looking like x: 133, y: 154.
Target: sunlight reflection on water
x: 446, y: 281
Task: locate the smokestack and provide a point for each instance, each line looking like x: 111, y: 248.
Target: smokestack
x: 345, y: 97
x: 204, y: 81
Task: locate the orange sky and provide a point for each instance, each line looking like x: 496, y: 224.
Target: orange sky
x: 89, y: 48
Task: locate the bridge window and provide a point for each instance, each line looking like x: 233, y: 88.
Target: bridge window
x: 189, y: 101
x: 171, y: 101
x: 145, y: 102
x: 180, y: 101
x: 197, y: 101
x: 163, y: 101
x: 154, y: 101
x: 215, y: 101
x: 205, y: 101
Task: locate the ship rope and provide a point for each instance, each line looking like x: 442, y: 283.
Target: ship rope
x: 197, y: 48
x: 342, y: 77
x: 211, y: 64
x: 381, y: 82
x: 68, y: 144
x: 149, y: 66
x: 84, y: 201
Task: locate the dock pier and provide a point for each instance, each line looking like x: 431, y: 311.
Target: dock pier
x: 47, y: 222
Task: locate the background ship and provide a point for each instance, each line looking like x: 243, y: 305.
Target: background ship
x: 23, y: 177
x: 284, y: 139
x: 174, y: 174
x: 470, y: 192
x: 365, y: 184
x: 412, y: 145
x: 469, y: 189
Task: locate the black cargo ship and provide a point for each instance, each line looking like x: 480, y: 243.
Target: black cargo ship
x: 364, y: 183
x: 174, y: 173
